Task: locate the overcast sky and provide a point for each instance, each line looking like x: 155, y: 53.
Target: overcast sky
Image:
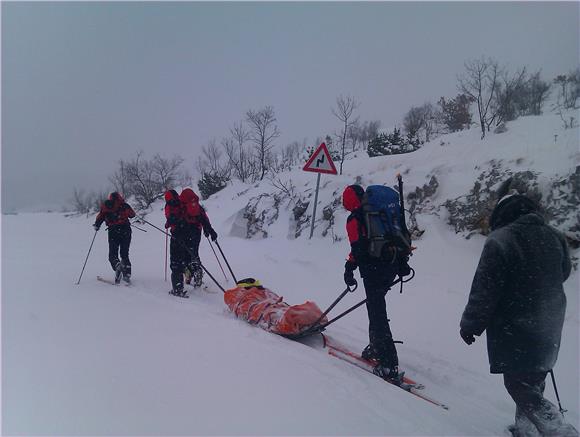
x: 87, y: 84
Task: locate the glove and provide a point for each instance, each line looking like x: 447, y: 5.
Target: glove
x: 210, y: 232
x: 213, y: 234
x: 467, y: 337
x: 96, y: 227
x: 349, y: 268
x: 404, y: 269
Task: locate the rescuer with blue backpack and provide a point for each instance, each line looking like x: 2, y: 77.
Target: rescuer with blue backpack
x: 380, y: 248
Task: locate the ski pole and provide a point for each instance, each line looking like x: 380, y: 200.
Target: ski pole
x: 402, y: 202
x: 562, y: 410
x: 87, y: 258
x: 217, y: 259
x: 136, y: 227
x: 186, y: 248
x: 338, y: 299
x: 351, y: 309
x: 213, y: 279
x: 226, y: 260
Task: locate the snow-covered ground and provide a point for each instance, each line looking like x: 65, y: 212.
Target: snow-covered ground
x: 94, y: 359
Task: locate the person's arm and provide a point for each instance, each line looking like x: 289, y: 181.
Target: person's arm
x: 486, y: 290
x: 99, y: 219
x: 208, y: 230
x: 130, y: 212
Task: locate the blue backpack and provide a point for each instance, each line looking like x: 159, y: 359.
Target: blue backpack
x: 384, y: 223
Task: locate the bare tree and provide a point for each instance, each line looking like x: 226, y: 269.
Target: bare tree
x: 145, y: 186
x: 80, y: 202
x: 263, y: 132
x: 345, y: 107
x: 538, y: 92
x: 235, y: 148
x: 120, y: 180
x: 166, y: 171
x: 479, y: 81
x: 413, y: 121
x: 87, y: 203
x: 505, y: 104
x: 211, y: 161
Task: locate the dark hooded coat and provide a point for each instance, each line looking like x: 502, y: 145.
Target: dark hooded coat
x: 517, y: 293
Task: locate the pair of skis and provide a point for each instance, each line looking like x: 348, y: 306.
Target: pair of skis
x: 111, y: 282
x: 409, y: 385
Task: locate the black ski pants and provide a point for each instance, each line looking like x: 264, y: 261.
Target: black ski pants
x: 534, y: 412
x: 119, y: 242
x: 183, y: 252
x: 376, y: 284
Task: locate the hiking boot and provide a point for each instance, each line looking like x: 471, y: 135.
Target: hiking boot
x: 118, y: 272
x: 127, y: 278
x: 390, y: 374
x: 187, y: 275
x: 369, y: 353
x: 196, y: 272
x: 197, y: 278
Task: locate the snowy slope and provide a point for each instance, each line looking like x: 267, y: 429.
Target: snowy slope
x: 93, y: 359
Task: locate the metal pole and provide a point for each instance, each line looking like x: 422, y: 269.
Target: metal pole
x: 227, y: 263
x: 562, y: 411
x: 217, y: 259
x: 315, y: 203
x: 87, y: 258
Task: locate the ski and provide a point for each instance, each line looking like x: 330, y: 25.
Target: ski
x: 407, y: 384
x: 111, y: 282
x: 181, y: 295
x: 106, y: 281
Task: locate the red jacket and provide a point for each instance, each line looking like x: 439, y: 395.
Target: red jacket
x: 173, y: 210
x: 351, y: 200
x: 193, y: 212
x: 114, y: 211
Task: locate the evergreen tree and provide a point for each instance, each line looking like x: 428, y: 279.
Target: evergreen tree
x: 211, y: 183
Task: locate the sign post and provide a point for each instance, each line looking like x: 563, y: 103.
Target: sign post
x: 319, y: 162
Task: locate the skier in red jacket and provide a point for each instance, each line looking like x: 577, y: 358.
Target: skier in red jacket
x: 115, y: 212
x: 186, y: 222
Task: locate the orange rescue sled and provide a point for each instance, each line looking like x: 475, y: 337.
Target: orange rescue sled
x: 260, y: 306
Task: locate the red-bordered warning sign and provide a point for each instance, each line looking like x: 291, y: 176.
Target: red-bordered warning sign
x: 320, y: 161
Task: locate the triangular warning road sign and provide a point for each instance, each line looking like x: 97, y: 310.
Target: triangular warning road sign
x: 320, y: 161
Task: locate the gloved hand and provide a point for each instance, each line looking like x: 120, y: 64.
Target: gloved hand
x: 349, y: 268
x: 404, y: 269
x: 467, y: 337
x: 213, y: 234
x: 96, y: 227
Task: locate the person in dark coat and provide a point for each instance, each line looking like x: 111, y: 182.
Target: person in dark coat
x: 377, y: 275
x: 518, y: 298
x: 115, y: 212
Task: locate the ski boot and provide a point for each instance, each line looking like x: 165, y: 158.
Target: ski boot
x: 178, y: 291
x: 369, y: 353
x: 196, y: 272
x: 118, y: 272
x: 390, y: 374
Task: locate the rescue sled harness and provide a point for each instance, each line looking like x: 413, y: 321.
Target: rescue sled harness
x: 317, y: 326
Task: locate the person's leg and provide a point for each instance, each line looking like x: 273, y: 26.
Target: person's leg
x: 527, y: 391
x: 125, y: 242
x: 176, y: 264
x: 380, y: 335
x: 195, y: 262
x: 114, y: 243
